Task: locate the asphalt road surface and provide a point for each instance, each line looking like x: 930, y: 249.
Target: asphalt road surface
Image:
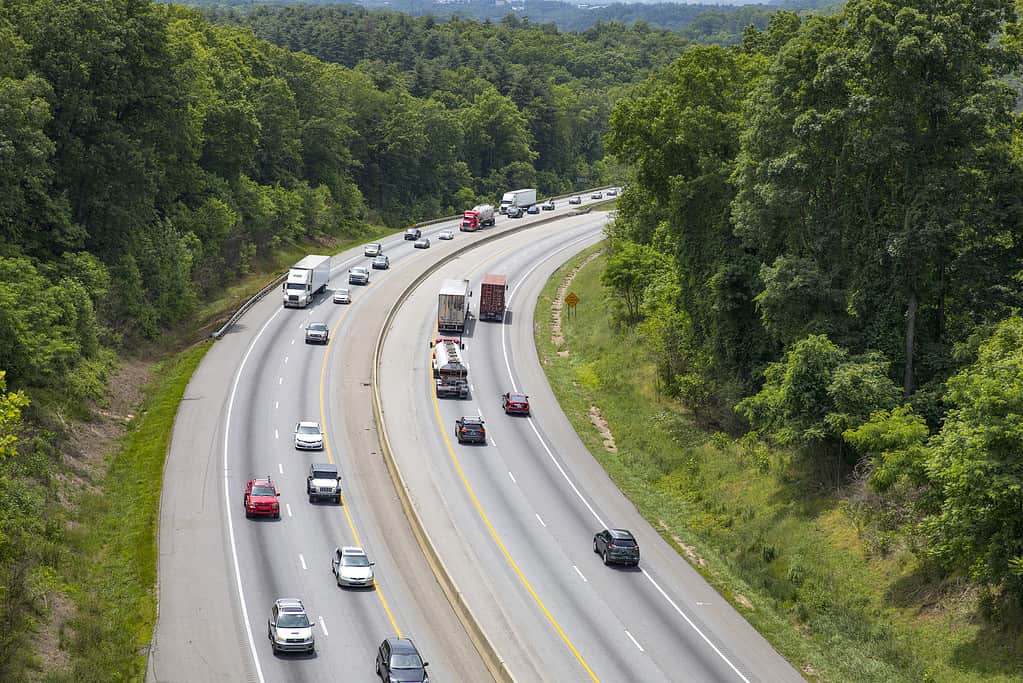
x: 219, y: 572
x: 514, y: 519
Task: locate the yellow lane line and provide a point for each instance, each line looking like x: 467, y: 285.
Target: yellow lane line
x: 326, y: 447
x: 497, y: 539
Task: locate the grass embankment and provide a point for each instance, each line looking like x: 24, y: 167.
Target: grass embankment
x: 786, y: 554
x: 111, y: 576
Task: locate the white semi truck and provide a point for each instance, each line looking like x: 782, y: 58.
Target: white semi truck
x: 306, y: 279
x: 520, y: 198
x: 453, y: 305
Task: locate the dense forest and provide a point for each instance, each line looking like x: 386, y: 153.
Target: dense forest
x: 823, y: 245
x: 150, y: 157
x: 701, y: 23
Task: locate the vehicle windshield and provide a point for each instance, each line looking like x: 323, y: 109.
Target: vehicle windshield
x: 309, y: 429
x: 292, y: 620
x: 317, y: 327
x: 320, y: 474
x: 262, y: 491
x: 296, y: 285
x: 342, y: 292
x: 355, y: 561
x: 406, y: 661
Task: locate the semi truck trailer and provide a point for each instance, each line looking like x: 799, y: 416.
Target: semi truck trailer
x: 306, y: 279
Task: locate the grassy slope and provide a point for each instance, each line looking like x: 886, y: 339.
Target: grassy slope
x: 793, y: 564
x: 112, y: 578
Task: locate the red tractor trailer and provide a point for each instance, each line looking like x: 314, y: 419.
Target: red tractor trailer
x: 492, y: 297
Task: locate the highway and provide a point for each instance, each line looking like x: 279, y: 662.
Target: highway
x: 514, y: 520
x: 219, y: 572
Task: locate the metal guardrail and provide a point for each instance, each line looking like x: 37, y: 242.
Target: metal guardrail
x: 283, y: 276
x: 249, y: 304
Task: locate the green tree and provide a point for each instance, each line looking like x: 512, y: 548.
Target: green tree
x: 976, y: 468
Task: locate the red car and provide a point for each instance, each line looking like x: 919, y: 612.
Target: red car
x: 261, y: 498
x: 515, y: 403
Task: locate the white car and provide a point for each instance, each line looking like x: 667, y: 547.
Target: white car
x: 446, y: 235
x: 289, y: 628
x: 308, y: 436
x: 342, y: 296
x: 374, y: 249
x: 597, y: 195
x: 352, y: 568
x: 422, y: 243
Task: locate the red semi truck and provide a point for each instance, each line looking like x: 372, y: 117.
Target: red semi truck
x: 477, y: 217
x: 492, y: 297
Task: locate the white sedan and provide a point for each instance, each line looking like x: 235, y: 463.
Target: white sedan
x: 308, y: 436
x: 446, y: 235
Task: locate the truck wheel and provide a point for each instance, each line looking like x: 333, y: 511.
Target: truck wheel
x: 311, y: 499
x: 337, y: 499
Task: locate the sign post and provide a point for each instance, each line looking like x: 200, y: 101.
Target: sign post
x: 571, y: 300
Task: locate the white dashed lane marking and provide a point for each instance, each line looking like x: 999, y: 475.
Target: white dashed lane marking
x: 302, y: 560
x: 634, y: 641
x: 288, y: 507
x: 579, y: 573
x: 539, y: 519
x: 512, y: 478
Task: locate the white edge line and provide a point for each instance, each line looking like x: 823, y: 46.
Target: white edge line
x: 227, y: 499
x: 504, y: 349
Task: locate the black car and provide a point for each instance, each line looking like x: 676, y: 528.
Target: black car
x: 399, y: 660
x: 470, y: 430
x: 616, y: 546
x: 533, y: 209
x: 514, y: 212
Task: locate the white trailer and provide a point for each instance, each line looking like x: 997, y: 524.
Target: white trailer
x: 520, y: 198
x: 306, y: 279
x: 453, y: 305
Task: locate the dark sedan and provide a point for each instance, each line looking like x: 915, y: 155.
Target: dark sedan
x: 470, y: 430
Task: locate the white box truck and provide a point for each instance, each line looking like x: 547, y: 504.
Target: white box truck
x: 306, y: 279
x: 453, y: 305
x: 520, y: 198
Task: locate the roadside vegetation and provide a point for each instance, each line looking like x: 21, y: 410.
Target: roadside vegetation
x: 839, y: 598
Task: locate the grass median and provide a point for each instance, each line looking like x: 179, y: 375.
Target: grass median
x: 792, y: 563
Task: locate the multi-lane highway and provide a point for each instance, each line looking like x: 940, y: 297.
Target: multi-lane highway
x: 515, y: 519
x: 512, y: 521
x: 219, y: 572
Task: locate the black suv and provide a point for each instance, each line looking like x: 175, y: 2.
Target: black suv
x: 399, y: 660
x: 470, y: 430
x: 616, y: 546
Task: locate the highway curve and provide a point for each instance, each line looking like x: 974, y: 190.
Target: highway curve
x: 514, y: 520
x: 220, y: 572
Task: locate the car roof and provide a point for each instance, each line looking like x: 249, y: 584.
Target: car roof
x: 323, y: 467
x: 352, y: 550
x: 290, y: 605
x: 317, y: 325
x: 402, y: 645
x: 262, y: 481
x: 622, y: 533
x: 469, y: 419
x: 516, y: 396
x: 309, y: 424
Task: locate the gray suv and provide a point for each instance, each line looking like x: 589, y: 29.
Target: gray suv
x: 323, y: 482
x: 616, y: 546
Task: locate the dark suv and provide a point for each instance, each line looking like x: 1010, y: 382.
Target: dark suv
x: 616, y: 546
x: 399, y: 660
x: 470, y: 430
